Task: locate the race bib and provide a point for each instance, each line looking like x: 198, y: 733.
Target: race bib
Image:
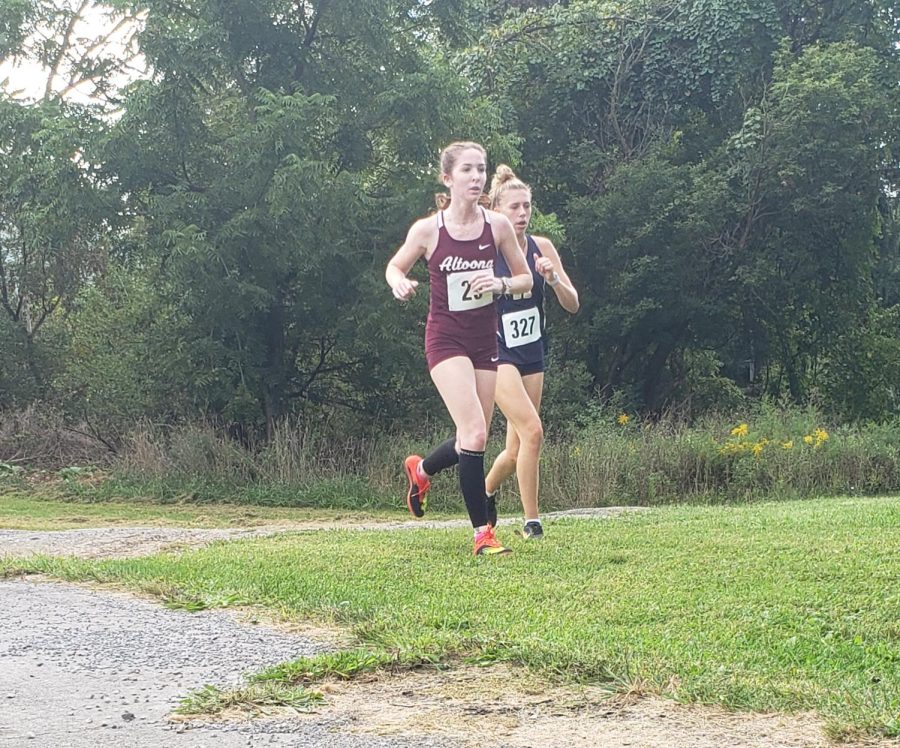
x: 460, y: 297
x: 522, y: 327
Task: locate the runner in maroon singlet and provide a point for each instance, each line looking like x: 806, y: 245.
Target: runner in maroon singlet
x: 459, y: 320
x: 460, y: 245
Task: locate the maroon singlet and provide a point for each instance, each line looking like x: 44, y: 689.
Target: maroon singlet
x: 459, y: 322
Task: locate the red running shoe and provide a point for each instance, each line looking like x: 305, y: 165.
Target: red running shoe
x: 418, y: 488
x: 487, y: 545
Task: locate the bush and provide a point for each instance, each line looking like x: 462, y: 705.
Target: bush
x: 611, y: 459
x: 41, y: 438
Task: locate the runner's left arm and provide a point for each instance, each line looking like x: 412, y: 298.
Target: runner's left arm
x: 550, y: 266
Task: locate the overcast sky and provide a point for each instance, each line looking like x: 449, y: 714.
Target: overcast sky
x: 29, y: 78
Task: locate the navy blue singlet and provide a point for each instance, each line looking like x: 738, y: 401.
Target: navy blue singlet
x: 520, y: 317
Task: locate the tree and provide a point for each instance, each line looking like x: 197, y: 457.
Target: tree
x: 55, y: 214
x: 57, y: 207
x: 72, y: 50
x: 719, y: 194
x: 276, y: 158
x: 808, y: 163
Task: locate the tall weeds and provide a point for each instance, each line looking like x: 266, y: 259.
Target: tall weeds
x: 612, y: 459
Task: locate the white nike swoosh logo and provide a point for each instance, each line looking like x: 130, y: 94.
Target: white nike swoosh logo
x: 484, y: 246
x: 495, y: 359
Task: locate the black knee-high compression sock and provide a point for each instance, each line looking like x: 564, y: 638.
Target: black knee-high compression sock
x: 471, y: 481
x: 444, y: 455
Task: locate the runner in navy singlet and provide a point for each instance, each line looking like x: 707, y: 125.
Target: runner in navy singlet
x: 520, y: 376
x: 461, y: 246
x: 520, y: 328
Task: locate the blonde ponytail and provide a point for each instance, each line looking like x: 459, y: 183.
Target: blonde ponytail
x: 504, y: 179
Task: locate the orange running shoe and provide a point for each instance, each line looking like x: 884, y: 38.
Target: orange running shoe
x: 418, y: 488
x: 487, y: 545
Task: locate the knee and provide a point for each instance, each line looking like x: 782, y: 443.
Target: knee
x: 532, y: 434
x: 473, y: 437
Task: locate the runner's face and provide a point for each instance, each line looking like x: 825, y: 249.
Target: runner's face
x: 515, y: 204
x: 468, y: 175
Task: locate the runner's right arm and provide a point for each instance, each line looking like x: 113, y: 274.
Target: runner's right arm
x: 415, y: 246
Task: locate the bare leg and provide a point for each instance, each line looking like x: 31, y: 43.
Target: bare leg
x: 468, y: 394
x: 505, y: 462
x: 519, y: 398
x: 532, y: 437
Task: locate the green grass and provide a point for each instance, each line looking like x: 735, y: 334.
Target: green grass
x: 20, y: 511
x: 212, y: 700
x: 782, y: 606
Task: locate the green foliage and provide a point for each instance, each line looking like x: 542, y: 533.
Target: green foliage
x: 861, y: 369
x: 7, y: 470
x: 55, y: 217
x: 723, y: 196
x: 17, y: 379
x: 14, y: 17
x: 720, y: 176
x: 809, y: 163
x: 125, y: 357
x: 287, y: 136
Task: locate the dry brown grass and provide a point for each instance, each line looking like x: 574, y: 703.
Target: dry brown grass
x: 500, y: 705
x: 39, y: 437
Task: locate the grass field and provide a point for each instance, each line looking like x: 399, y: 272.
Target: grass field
x: 780, y: 606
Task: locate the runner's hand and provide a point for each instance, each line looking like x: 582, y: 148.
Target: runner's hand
x: 487, y: 283
x: 544, y: 267
x: 405, y: 289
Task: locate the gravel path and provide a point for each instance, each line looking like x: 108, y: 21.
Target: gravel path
x: 83, y: 668
x: 125, y: 542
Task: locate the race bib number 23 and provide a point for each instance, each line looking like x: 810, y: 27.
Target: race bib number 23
x: 460, y: 297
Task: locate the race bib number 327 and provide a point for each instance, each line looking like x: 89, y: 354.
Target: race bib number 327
x: 460, y: 297
x: 522, y: 327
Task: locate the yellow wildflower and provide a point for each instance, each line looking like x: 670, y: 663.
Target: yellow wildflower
x: 758, y: 448
x: 821, y: 435
x: 623, y: 419
x: 740, y: 431
x: 808, y: 439
x: 789, y: 444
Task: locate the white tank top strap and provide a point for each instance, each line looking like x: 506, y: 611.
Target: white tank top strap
x: 440, y: 219
x: 487, y: 218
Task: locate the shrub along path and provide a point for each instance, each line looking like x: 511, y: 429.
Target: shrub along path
x: 87, y: 665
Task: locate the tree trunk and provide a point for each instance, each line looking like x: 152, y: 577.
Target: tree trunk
x: 274, y: 369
